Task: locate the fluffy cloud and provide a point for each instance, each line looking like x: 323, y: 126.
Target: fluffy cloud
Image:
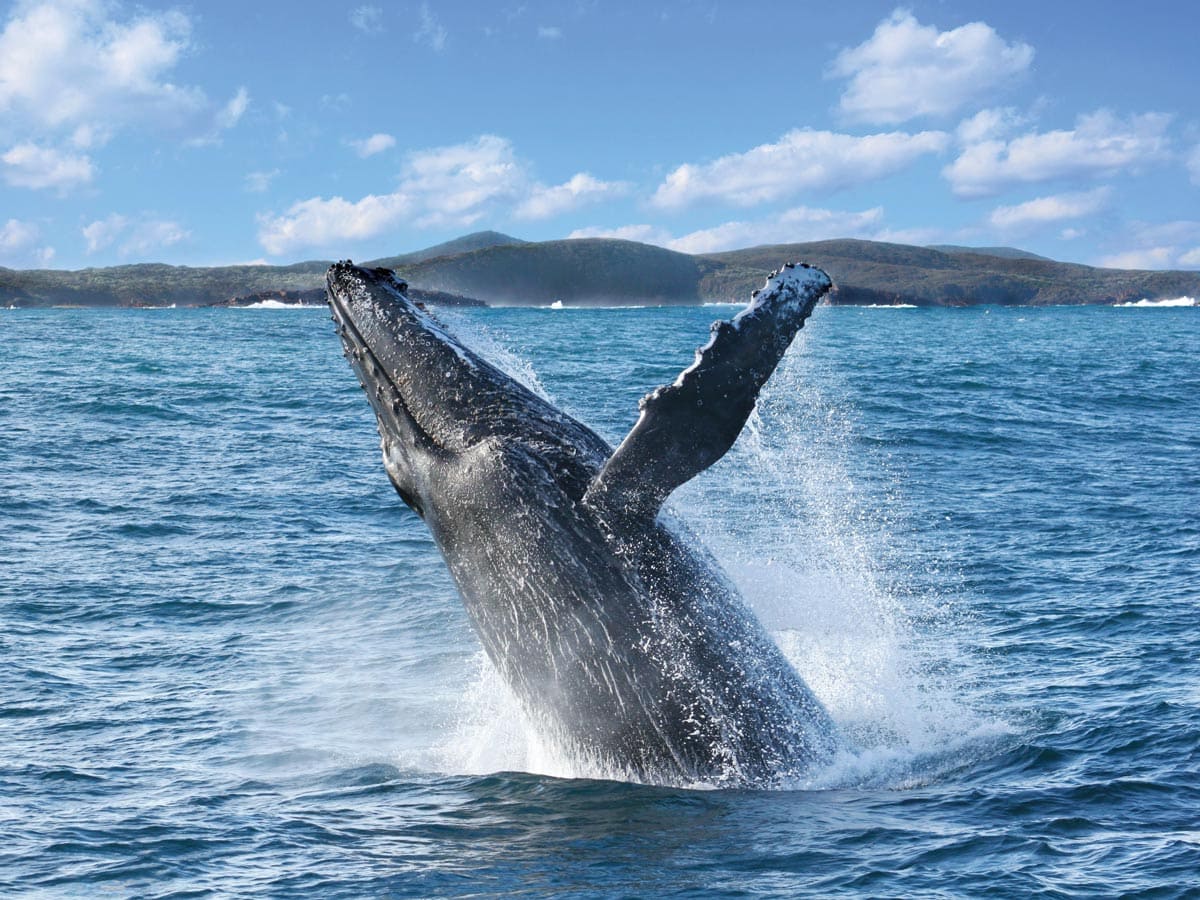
x: 801, y: 223
x: 30, y: 166
x: 801, y: 160
x: 1049, y: 210
x: 988, y: 125
x: 546, y: 202
x: 67, y: 64
x: 1099, y: 145
x: 1169, y: 245
x: 19, y: 245
x: 318, y: 222
x: 906, y: 69
x: 376, y: 143
x: 136, y: 236
x: 441, y: 187
x: 454, y: 185
x: 231, y: 113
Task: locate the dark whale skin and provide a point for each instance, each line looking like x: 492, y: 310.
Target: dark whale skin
x: 628, y: 647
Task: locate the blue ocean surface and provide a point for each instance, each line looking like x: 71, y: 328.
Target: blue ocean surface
x: 232, y: 663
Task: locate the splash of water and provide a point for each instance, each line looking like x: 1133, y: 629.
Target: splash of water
x: 809, y: 544
x: 1168, y: 303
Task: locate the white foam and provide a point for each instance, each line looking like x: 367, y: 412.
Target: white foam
x: 889, y: 306
x: 815, y: 554
x: 1159, y: 304
x: 279, y: 304
x: 493, y: 734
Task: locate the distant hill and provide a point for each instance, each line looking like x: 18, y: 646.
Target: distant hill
x: 499, y: 269
x: 479, y: 240
x: 153, y: 284
x: 584, y: 272
x: 866, y: 272
x: 156, y: 284
x: 1003, y: 252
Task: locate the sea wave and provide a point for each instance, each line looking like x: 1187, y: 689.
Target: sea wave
x: 277, y: 304
x: 1159, y: 304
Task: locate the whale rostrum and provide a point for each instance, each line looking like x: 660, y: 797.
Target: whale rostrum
x: 620, y: 635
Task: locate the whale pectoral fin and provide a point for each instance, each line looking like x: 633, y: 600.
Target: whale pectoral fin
x: 688, y: 425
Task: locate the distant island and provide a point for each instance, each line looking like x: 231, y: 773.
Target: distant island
x: 489, y: 268
x: 316, y: 297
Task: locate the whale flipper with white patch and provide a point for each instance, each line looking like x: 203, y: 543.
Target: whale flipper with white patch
x: 689, y: 424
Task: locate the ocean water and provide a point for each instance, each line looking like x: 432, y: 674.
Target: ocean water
x: 232, y: 663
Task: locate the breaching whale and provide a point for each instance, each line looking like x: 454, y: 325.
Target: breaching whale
x: 627, y: 646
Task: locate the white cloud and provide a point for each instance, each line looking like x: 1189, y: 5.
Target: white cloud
x: 258, y: 182
x: 1166, y: 245
x: 1100, y: 145
x: 440, y: 187
x: 454, y: 185
x: 146, y: 236
x: 69, y: 64
x: 793, y: 226
x: 103, y: 232
x: 546, y: 202
x: 318, y: 222
x: 30, y: 166
x: 19, y: 245
x: 988, y: 125
x: 366, y: 18
x: 376, y: 143
x: 231, y: 113
x: 430, y: 32
x: 549, y: 32
x: 906, y: 69
x: 137, y: 236
x: 1051, y: 209
x: 223, y: 119
x: 1146, y: 258
x: 802, y: 159
x: 1193, y: 165
x: 796, y: 225
x: 646, y: 234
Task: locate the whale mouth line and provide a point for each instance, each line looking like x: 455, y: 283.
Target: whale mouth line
x: 370, y: 367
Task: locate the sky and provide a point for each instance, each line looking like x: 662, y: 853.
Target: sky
x: 273, y: 132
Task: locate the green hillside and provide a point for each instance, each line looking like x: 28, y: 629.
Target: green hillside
x: 866, y: 272
x: 478, y: 240
x: 152, y: 284
x: 499, y: 269
x: 1005, y: 252
x: 586, y: 272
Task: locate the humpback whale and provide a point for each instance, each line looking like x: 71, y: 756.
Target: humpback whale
x: 625, y: 643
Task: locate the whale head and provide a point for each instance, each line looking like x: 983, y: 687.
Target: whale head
x: 434, y: 398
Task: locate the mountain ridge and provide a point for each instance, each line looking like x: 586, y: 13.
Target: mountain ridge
x: 499, y: 269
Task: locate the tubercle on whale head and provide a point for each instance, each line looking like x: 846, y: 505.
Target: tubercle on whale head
x: 433, y: 397
x: 381, y: 335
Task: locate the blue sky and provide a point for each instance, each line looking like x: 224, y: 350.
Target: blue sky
x: 220, y: 133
